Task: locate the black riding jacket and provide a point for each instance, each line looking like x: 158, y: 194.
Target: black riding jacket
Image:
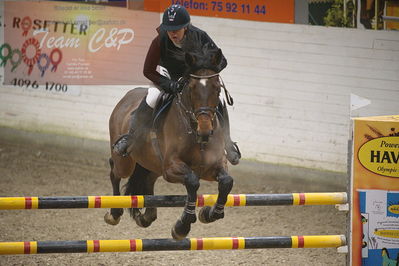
x: 161, y: 53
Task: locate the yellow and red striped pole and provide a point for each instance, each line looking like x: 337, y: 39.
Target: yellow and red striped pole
x: 13, y: 203
x: 133, y: 245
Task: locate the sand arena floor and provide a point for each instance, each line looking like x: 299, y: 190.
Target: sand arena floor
x: 43, y: 170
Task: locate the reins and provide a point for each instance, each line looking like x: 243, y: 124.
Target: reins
x: 182, y: 108
x: 229, y: 99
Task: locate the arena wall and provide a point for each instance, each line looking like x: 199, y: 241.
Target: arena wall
x: 292, y: 86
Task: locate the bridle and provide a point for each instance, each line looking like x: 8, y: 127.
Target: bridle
x: 194, y: 114
x: 205, y: 110
x: 205, y: 76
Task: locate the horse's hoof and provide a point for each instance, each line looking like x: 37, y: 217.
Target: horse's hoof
x: 204, y: 215
x: 142, y: 222
x: 180, y: 230
x: 109, y: 219
x: 233, y: 158
x: 233, y: 153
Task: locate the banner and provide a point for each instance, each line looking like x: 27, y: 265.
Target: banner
x: 56, y: 44
x: 375, y: 191
x: 259, y: 10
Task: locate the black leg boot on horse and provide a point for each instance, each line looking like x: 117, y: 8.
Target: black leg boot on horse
x: 233, y: 153
x: 140, y: 121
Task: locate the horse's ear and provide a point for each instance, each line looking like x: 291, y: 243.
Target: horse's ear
x: 190, y: 59
x: 217, y: 57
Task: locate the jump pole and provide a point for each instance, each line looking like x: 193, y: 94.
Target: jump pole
x: 83, y: 202
x: 134, y: 245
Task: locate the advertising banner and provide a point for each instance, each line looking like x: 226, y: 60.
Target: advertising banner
x: 50, y: 45
x: 259, y: 10
x: 375, y: 191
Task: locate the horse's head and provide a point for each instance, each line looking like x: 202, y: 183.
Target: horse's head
x: 204, y: 89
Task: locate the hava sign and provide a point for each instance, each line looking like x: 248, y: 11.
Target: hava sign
x: 381, y: 156
x: 74, y: 43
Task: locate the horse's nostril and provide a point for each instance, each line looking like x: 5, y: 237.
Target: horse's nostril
x: 202, y: 139
x: 204, y: 132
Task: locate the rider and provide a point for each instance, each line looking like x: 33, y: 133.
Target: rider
x: 173, y: 31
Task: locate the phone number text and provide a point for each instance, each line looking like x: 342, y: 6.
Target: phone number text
x: 223, y: 6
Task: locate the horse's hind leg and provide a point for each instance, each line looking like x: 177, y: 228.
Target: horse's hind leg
x: 142, y: 182
x: 116, y: 213
x: 150, y: 214
x: 211, y: 214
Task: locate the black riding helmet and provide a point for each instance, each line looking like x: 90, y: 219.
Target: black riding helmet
x: 175, y: 17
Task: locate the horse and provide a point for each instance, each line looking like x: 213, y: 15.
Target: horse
x: 189, y: 146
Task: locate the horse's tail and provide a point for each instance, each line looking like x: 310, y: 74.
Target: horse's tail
x: 137, y: 183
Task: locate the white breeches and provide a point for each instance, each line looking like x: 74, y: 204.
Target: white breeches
x: 153, y: 92
x: 152, y: 97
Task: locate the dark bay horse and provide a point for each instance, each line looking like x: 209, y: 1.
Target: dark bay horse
x: 190, y: 146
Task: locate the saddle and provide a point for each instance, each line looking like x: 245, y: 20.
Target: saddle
x: 161, y: 109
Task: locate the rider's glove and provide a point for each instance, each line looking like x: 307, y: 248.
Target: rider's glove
x: 176, y: 86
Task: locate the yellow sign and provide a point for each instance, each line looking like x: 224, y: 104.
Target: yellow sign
x: 375, y: 189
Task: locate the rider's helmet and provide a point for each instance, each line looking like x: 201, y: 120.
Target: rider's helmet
x: 175, y: 17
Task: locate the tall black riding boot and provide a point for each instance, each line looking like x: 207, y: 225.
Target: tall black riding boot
x: 233, y: 153
x: 140, y: 122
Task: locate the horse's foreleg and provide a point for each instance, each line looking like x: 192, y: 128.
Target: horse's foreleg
x: 192, y: 184
x: 211, y: 214
x: 116, y: 213
x: 183, y: 225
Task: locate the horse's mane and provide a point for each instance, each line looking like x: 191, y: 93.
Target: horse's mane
x: 202, y: 53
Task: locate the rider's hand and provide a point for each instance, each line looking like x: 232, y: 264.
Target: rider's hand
x: 174, y: 87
